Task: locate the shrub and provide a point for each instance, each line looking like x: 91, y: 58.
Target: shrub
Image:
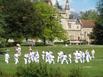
x: 38, y: 70
x: 76, y: 72
x: 32, y: 70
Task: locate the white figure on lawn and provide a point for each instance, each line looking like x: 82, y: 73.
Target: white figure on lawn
x: 16, y: 58
x: 75, y: 56
x: 43, y: 55
x: 70, y: 58
x: 31, y: 55
x: 26, y: 58
x: 88, y: 57
x: 64, y: 58
x: 7, y: 57
x: 83, y: 57
x: 93, y: 54
x: 59, y: 56
x: 36, y: 57
x: 18, y: 49
x: 51, y: 58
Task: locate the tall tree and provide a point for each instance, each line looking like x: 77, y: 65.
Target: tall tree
x: 90, y: 14
x: 48, y: 26
x: 98, y: 29
x: 19, y: 18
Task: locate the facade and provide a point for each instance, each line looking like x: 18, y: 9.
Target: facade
x: 80, y: 30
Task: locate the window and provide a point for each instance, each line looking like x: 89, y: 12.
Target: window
x: 77, y: 27
x: 69, y: 25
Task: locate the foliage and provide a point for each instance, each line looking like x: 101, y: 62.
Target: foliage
x: 19, y: 18
x: 90, y: 14
x: 76, y: 72
x: 98, y: 29
x: 37, y: 70
x: 4, y: 74
x: 98, y: 34
x: 48, y: 26
x: 27, y: 19
x: 2, y: 24
x: 3, y: 42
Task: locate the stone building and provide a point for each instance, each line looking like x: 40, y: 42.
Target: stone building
x: 78, y: 31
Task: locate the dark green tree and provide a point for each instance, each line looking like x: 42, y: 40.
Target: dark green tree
x: 98, y: 29
x: 2, y: 24
x: 19, y: 18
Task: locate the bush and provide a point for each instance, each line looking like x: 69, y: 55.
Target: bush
x: 76, y: 72
x: 38, y: 70
x: 32, y: 70
x: 45, y: 70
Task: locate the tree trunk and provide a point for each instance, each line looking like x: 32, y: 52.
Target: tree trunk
x: 44, y: 41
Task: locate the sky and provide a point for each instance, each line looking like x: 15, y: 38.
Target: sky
x: 80, y: 5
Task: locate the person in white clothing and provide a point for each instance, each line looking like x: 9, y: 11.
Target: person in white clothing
x: 93, y: 54
x: 26, y: 57
x: 88, y: 57
x: 70, y: 58
x: 64, y: 59
x: 76, y: 56
x: 16, y: 58
x: 18, y: 49
x: 83, y: 57
x: 36, y: 57
x: 59, y: 56
x: 31, y: 55
x: 51, y: 57
x: 7, y: 57
x: 43, y: 55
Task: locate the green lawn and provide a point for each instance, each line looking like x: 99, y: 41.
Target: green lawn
x: 92, y: 69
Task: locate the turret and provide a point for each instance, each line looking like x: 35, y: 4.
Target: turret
x: 66, y: 8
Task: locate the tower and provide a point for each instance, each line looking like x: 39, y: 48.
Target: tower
x: 67, y: 8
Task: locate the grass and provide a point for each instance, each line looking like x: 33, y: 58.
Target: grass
x: 92, y: 69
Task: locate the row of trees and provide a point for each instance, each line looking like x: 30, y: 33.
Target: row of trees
x: 21, y: 19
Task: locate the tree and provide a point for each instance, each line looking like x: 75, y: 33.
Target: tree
x: 49, y: 28
x: 19, y: 18
x: 27, y: 19
x: 98, y: 33
x: 90, y: 14
x: 98, y: 29
x: 2, y: 24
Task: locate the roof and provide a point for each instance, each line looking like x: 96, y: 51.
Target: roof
x: 87, y: 23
